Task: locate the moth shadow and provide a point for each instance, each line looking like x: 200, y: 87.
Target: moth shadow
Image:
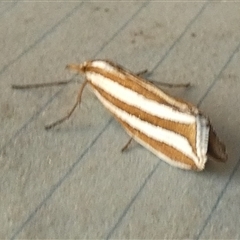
x: 216, y: 167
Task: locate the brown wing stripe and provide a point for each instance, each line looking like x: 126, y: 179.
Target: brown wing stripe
x: 159, y: 146
x: 186, y: 130
x: 131, y: 83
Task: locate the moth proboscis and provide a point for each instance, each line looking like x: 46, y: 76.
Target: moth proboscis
x: 173, y: 129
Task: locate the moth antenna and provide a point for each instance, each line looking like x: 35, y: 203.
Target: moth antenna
x: 40, y: 85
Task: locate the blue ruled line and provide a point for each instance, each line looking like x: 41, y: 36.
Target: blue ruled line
x: 124, y: 213
x: 39, y: 40
x: 53, y: 189
x: 206, y: 222
x: 238, y: 163
x: 220, y: 73
x: 62, y: 179
x: 9, y: 8
x: 199, y: 234
x: 31, y: 119
x: 109, y: 234
x: 59, y: 182
x: 28, y: 49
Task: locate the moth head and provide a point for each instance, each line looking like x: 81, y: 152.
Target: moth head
x: 81, y: 68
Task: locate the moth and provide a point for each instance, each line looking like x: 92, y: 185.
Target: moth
x: 173, y: 129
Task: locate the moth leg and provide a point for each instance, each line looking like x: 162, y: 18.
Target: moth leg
x: 171, y: 85
x: 141, y: 73
x: 78, y: 101
x: 125, y: 147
